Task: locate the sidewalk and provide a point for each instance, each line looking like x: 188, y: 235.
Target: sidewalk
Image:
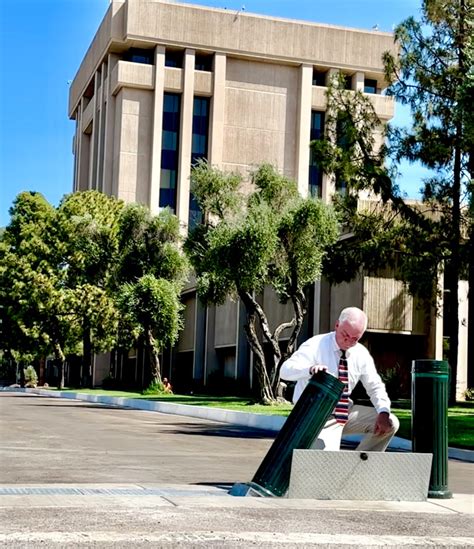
x: 244, y: 419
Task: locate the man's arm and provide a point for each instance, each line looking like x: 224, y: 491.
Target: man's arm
x: 374, y: 386
x: 301, y: 363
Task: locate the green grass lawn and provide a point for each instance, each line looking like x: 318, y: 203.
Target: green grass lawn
x: 460, y: 417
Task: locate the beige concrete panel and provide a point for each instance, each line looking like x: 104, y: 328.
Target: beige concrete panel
x: 117, y: 143
x: 388, y: 305
x: 87, y: 115
x: 319, y: 99
x: 277, y: 313
x: 257, y: 75
x: 135, y: 144
x: 203, y: 83
x: 228, y: 31
x: 384, y: 106
x: 134, y: 75
x: 250, y: 147
x: 256, y: 110
x: 174, y: 79
x: 112, y: 27
x: 187, y: 335
x: 226, y: 324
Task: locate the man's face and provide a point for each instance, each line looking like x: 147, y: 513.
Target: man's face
x: 347, y: 335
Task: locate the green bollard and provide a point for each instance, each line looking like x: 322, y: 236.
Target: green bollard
x: 302, y: 426
x: 429, y: 420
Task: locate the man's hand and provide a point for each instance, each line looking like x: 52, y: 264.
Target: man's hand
x: 317, y: 368
x: 383, y: 424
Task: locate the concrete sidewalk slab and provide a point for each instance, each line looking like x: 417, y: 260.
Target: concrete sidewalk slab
x: 193, y: 496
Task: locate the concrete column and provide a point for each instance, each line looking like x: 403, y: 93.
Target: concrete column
x: 304, y: 128
x: 109, y: 105
x: 92, y: 177
x: 157, y: 129
x: 329, y: 181
x: 358, y: 81
x: 185, y: 140
x: 216, y: 126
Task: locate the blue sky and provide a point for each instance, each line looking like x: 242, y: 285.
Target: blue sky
x: 42, y: 43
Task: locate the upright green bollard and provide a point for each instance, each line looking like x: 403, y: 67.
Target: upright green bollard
x: 429, y: 420
x: 302, y: 426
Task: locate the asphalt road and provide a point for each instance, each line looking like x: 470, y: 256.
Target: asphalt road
x: 49, y: 440
x: 75, y: 474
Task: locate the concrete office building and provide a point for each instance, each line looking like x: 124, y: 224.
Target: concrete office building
x: 165, y: 83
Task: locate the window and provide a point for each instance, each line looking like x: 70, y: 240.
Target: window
x: 315, y: 173
x: 137, y: 55
x: 370, y: 86
x: 346, y: 143
x: 203, y: 62
x: 169, y: 150
x: 347, y: 81
x: 200, y: 141
x: 174, y: 58
x: 319, y: 78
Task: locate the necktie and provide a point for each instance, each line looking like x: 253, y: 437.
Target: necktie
x: 341, y: 411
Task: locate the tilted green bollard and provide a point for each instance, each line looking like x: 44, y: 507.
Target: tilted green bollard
x: 429, y: 420
x: 302, y: 426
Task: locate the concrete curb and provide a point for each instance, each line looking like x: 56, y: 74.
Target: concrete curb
x: 244, y: 419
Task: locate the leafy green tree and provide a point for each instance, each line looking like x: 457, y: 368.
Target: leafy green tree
x: 272, y: 237
x: 150, y: 274
x: 88, y: 225
x: 153, y: 312
x: 33, y: 281
x: 432, y: 74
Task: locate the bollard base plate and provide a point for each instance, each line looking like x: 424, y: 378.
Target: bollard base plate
x: 440, y: 494
x: 250, y: 489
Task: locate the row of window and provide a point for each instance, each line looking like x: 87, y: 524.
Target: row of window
x: 170, y: 150
x: 204, y: 62
x: 320, y: 79
x: 173, y: 58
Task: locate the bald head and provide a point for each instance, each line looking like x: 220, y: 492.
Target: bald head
x: 350, y: 327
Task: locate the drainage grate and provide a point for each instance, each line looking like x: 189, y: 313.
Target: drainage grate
x: 163, y: 492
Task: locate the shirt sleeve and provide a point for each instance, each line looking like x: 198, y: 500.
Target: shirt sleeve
x: 374, y: 385
x: 297, y: 366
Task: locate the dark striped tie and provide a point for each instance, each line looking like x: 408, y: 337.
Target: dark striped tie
x: 341, y: 411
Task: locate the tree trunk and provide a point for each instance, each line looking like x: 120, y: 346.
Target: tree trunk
x: 86, y: 378
x: 59, y: 358
x: 266, y: 396
x: 299, y: 306
x: 153, y: 371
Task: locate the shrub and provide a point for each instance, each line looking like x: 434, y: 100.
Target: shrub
x: 155, y: 388
x: 468, y: 394
x: 31, y: 377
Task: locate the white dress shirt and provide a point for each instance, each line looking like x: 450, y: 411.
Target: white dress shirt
x: 323, y: 349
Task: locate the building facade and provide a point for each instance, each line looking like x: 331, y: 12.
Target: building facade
x: 164, y: 84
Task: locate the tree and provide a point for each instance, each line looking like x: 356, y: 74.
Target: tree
x: 33, y: 281
x: 88, y: 227
x: 431, y: 75
x: 150, y: 274
x: 272, y: 237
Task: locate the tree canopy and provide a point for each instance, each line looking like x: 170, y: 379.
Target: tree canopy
x: 272, y: 237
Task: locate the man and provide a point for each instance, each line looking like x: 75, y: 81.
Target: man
x: 324, y: 352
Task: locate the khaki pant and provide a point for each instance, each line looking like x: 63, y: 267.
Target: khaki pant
x: 361, y: 422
